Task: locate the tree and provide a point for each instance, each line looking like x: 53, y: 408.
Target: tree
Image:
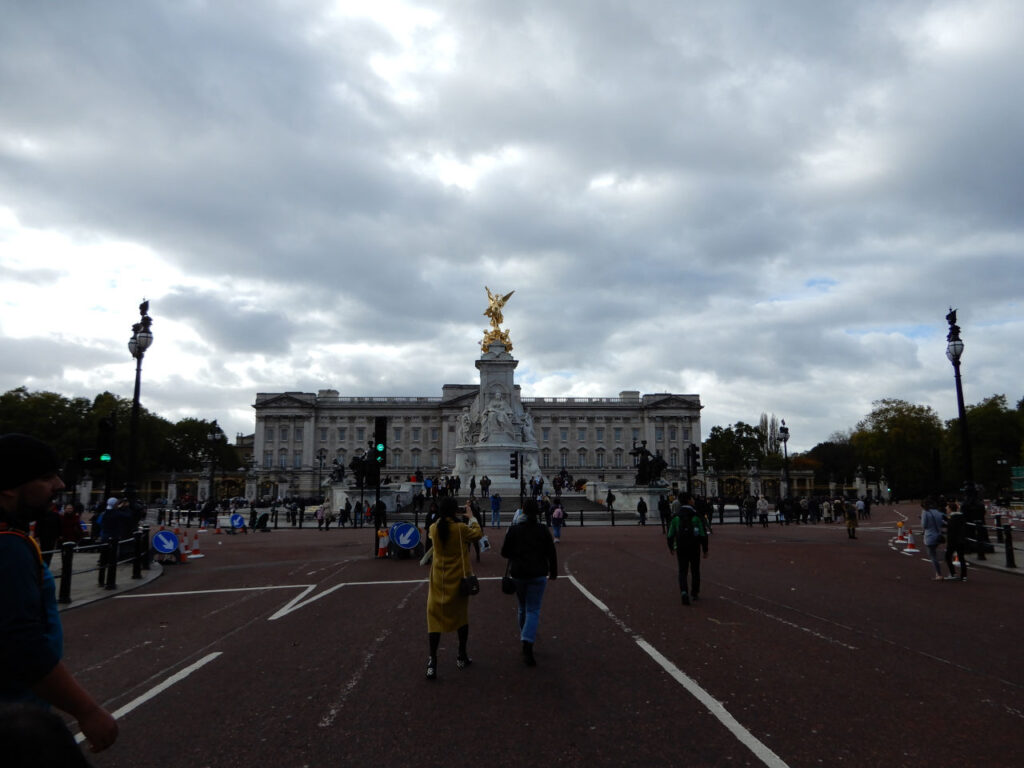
x: 904, y: 440
x: 835, y: 458
x: 996, y: 433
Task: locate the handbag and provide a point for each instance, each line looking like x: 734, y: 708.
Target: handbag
x: 469, y: 584
x: 508, y: 584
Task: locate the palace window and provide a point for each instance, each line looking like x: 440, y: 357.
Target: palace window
x: 600, y: 434
x: 268, y: 434
x: 268, y: 459
x: 618, y: 434
x: 659, y: 434
x: 415, y: 434
x: 360, y: 434
x: 581, y: 434
x: 600, y: 459
x: 284, y: 434
x: 618, y: 459
x: 341, y: 434
x: 563, y: 433
x: 323, y: 434
x: 282, y: 459
x: 398, y: 434
x: 297, y: 460
x: 298, y: 434
x: 671, y: 433
x: 581, y: 459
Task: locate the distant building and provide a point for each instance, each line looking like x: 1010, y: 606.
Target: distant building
x: 300, y: 435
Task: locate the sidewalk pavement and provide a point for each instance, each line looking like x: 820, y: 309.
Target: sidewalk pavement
x: 85, y: 586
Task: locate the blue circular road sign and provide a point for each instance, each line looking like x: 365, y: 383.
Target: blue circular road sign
x: 165, y: 542
x: 237, y: 521
x: 405, y: 535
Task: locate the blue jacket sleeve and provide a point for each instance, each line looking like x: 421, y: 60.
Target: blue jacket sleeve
x: 26, y: 654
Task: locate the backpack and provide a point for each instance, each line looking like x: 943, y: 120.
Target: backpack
x: 690, y: 530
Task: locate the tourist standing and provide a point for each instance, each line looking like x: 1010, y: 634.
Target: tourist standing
x: 931, y: 527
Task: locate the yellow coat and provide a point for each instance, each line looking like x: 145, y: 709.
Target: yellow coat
x: 447, y: 610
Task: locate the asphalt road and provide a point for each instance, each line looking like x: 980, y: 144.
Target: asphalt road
x: 295, y: 648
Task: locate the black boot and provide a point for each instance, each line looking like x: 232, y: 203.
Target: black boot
x: 528, y: 654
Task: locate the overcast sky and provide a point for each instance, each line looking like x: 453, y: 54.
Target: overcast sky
x: 770, y: 204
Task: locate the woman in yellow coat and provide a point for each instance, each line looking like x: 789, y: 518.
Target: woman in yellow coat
x: 447, y: 609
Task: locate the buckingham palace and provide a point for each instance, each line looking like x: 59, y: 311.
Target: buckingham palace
x: 301, y: 436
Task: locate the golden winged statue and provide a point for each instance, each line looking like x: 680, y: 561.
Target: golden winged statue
x: 495, y: 303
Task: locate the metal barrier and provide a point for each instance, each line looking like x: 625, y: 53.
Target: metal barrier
x: 106, y: 567
x: 981, y: 541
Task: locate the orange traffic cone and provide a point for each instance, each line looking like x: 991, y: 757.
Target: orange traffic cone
x: 195, y: 548
x: 910, y: 544
x: 901, y: 539
x: 217, y: 531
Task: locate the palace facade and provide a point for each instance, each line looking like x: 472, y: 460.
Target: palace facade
x: 300, y: 435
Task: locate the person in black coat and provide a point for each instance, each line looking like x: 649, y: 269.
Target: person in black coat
x: 530, y: 551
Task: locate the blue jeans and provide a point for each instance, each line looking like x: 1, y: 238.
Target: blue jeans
x: 530, y: 593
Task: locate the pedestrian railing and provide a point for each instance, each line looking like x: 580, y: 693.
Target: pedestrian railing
x: 134, y: 550
x: 978, y: 538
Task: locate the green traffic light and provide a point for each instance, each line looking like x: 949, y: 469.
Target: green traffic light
x: 380, y: 447
x: 104, y: 457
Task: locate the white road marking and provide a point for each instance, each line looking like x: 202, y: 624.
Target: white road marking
x: 177, y: 677
x: 328, y: 719
x: 209, y: 591
x: 715, y: 707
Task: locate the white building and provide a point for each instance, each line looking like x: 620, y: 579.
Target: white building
x: 299, y: 435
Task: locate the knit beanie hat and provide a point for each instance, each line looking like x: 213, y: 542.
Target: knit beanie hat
x: 24, y: 458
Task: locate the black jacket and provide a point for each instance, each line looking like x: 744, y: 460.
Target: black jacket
x: 531, y: 550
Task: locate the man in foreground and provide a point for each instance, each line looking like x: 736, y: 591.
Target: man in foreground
x: 31, y: 637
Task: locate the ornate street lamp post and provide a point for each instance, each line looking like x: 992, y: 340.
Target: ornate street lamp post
x: 954, y: 349
x: 784, y: 437
x: 141, y: 340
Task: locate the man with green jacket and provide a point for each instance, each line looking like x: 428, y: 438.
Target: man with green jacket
x: 687, y: 537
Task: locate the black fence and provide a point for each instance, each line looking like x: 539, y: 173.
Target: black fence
x: 110, y: 554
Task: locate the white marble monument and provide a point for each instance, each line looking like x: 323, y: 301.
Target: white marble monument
x: 495, y: 424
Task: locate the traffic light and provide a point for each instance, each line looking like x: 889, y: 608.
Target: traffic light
x: 513, y: 464
x: 380, y: 440
x: 105, y: 438
x: 694, y: 451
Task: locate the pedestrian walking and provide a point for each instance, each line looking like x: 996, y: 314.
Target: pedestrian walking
x: 530, y: 551
x: 447, y: 606
x: 557, y: 520
x: 641, y: 510
x: 688, y: 540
